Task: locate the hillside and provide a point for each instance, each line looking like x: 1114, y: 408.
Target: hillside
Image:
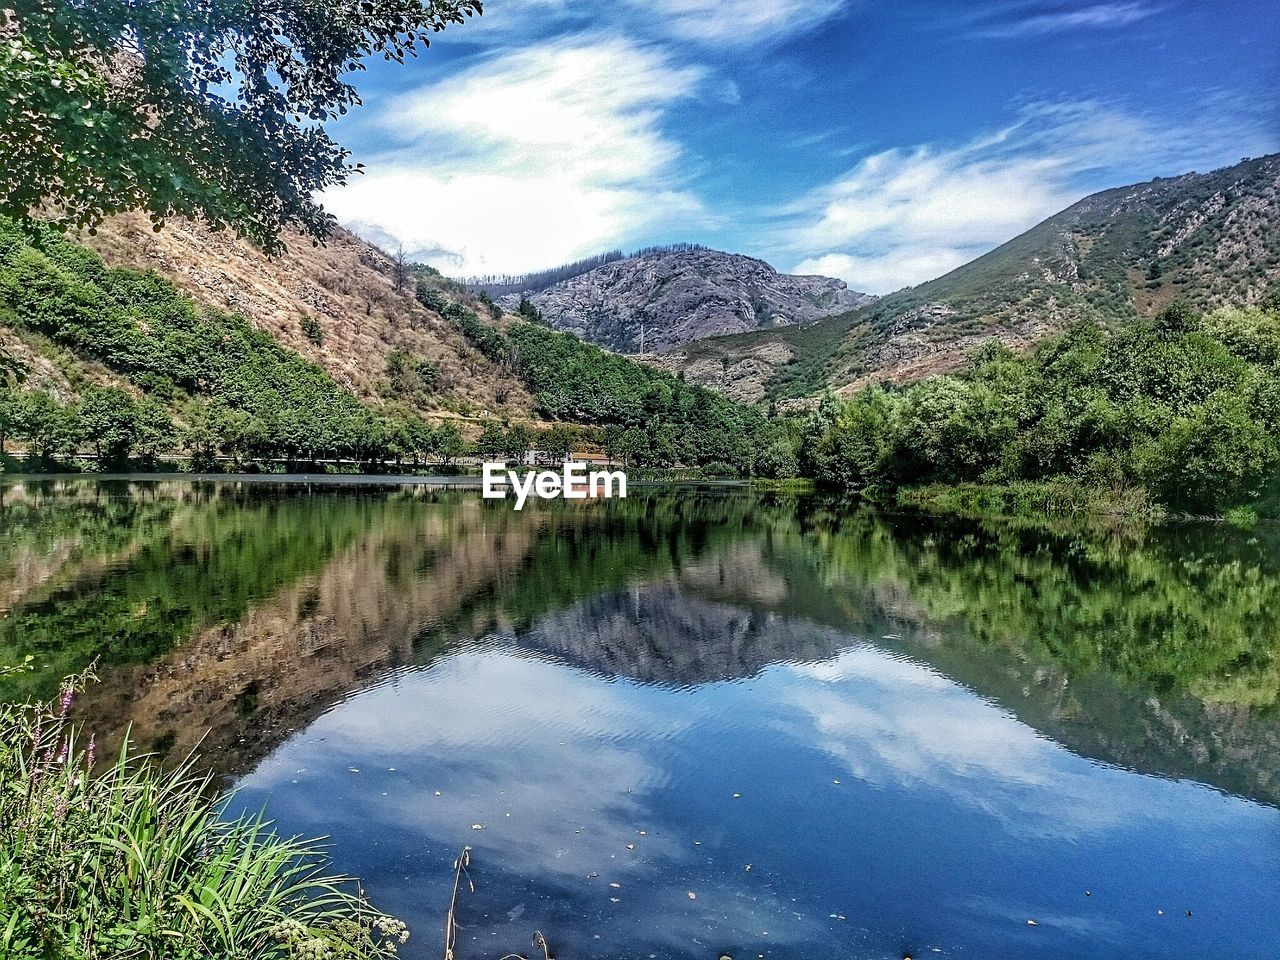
x: 1212, y: 239
x: 126, y: 365
x: 661, y: 299
x: 346, y: 287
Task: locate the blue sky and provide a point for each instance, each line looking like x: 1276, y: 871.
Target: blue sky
x: 881, y: 141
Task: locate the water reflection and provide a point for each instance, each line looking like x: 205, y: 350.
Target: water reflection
x: 937, y: 730
x: 869, y: 788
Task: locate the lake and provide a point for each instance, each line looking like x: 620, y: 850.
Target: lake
x: 697, y: 722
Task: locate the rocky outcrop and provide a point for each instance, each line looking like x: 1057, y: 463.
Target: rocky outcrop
x: 655, y: 302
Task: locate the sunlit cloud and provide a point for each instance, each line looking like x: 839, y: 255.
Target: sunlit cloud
x: 532, y: 158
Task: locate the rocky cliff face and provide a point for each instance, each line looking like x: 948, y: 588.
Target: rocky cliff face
x: 657, y: 301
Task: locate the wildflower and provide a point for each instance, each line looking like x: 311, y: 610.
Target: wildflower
x: 92, y: 753
x: 392, y: 929
x: 288, y: 931
x: 68, y: 698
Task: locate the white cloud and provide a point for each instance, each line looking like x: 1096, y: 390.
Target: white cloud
x: 532, y: 158
x: 738, y: 21
x: 1096, y: 16
x: 904, y: 216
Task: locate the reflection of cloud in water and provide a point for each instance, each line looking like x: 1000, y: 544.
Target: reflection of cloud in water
x: 558, y: 767
x: 891, y: 720
x: 507, y: 739
x: 957, y: 823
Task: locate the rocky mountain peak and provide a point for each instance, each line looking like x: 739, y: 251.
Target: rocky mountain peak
x: 659, y: 300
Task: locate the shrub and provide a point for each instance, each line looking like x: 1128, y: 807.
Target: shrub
x: 135, y: 862
x: 312, y: 330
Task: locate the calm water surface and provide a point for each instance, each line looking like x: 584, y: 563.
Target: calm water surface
x: 696, y: 723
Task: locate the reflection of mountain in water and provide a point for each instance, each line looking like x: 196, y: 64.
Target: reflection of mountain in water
x: 663, y: 635
x: 1157, y: 653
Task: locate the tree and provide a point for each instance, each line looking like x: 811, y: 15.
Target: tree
x: 186, y: 107
x: 111, y: 423
x: 633, y: 446
x: 312, y: 330
x: 778, y: 460
x: 451, y: 445
x: 517, y: 442
x: 49, y: 429
x: 9, y: 407
x: 492, y: 441
x: 156, y: 434
x: 528, y: 310
x: 558, y: 443
x: 401, y: 268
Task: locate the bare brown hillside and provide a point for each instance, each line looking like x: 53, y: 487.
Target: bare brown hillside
x: 346, y: 286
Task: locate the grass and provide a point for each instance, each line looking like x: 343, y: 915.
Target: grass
x: 132, y: 862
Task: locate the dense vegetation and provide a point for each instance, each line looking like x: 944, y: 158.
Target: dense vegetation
x: 131, y: 861
x: 184, y: 107
x: 207, y: 383
x: 1185, y: 408
x: 646, y: 417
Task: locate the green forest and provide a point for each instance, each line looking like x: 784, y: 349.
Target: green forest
x: 642, y: 416
x: 205, y: 383
x: 1180, y: 410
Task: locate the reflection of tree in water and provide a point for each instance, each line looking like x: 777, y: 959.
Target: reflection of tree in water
x: 246, y: 613
x: 1154, y: 649
x: 142, y: 570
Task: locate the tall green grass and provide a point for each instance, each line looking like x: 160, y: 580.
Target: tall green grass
x: 132, y: 861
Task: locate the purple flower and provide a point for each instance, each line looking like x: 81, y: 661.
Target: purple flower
x: 92, y: 753
x: 68, y: 698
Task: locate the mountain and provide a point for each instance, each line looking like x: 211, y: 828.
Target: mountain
x: 1115, y: 256
x: 657, y: 300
